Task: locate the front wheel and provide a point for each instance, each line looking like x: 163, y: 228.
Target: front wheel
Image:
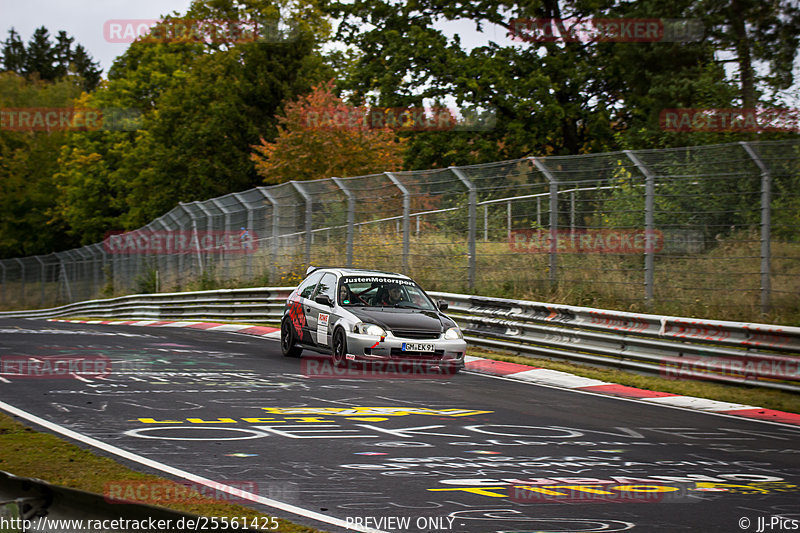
x: 339, y: 348
x: 288, y: 347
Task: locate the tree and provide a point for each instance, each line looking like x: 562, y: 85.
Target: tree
x: 202, y: 104
x: 49, y: 61
x: 320, y: 136
x: 13, y: 52
x: 551, y: 97
x: 753, y: 32
x: 28, y: 161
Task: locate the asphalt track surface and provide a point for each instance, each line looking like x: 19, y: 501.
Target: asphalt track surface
x: 411, y: 453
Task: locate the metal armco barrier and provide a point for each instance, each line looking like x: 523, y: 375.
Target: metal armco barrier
x: 680, y: 348
x: 674, y: 347
x: 252, y: 305
x: 43, y: 506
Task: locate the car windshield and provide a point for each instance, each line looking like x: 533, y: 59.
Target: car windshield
x: 382, y: 292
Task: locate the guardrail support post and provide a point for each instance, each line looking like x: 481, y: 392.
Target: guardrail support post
x: 406, y: 218
x: 472, y: 222
x: 553, y: 219
x: 351, y: 218
x: 649, y: 227
x: 766, y: 227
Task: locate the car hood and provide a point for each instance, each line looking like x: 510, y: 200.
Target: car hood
x: 403, y: 319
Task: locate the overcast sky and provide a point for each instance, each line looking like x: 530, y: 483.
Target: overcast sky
x: 83, y: 20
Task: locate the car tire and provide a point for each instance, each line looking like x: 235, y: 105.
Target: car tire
x: 288, y: 347
x: 339, y: 348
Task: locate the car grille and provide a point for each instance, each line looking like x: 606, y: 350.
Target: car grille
x: 416, y: 334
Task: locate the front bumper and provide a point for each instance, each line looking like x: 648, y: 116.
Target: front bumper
x: 449, y: 353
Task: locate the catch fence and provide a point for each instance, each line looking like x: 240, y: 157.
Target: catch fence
x: 705, y: 230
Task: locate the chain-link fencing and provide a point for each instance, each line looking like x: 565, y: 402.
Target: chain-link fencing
x: 707, y: 231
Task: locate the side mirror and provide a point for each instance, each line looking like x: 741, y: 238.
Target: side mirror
x: 324, y: 299
x: 442, y: 305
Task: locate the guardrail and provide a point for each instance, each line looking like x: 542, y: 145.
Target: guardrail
x: 680, y: 348
x: 25, y: 502
x: 252, y: 305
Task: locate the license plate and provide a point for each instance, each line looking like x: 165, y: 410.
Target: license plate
x: 417, y: 347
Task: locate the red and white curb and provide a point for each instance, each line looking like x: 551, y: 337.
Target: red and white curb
x: 541, y: 376
x: 555, y: 378
x: 260, y: 331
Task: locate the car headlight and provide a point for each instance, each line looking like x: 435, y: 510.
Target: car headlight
x: 453, y: 333
x: 370, y: 329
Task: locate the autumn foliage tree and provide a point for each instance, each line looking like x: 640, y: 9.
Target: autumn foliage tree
x: 320, y: 136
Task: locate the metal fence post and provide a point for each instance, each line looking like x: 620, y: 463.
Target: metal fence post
x: 766, y: 227
x: 508, y: 220
x: 472, y: 222
x: 181, y: 253
x: 276, y: 229
x: 351, y: 217
x: 309, y: 221
x: 41, y: 284
x: 250, y: 227
x: 649, y: 226
x: 553, y: 218
x: 406, y: 218
x: 21, y: 277
x: 485, y: 222
x: 3, y: 284
x: 196, y: 236
x: 65, y: 277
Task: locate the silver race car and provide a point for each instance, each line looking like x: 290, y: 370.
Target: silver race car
x: 366, y: 315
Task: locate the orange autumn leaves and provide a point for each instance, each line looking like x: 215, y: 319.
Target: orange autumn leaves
x: 319, y: 136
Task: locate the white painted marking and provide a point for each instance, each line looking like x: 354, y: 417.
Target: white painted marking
x: 703, y: 404
x: 229, y: 327
x: 182, y: 473
x: 557, y: 378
